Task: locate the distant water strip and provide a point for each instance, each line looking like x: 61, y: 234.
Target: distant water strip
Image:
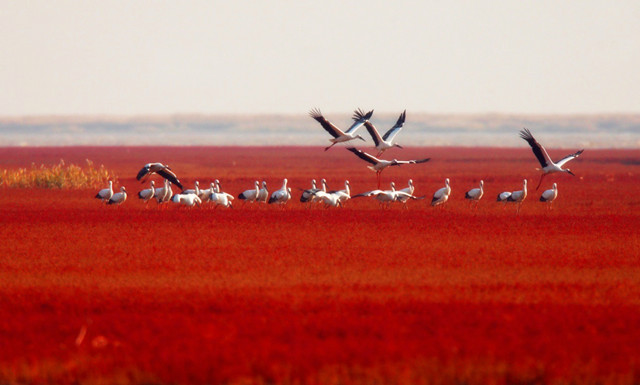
x: 584, y: 131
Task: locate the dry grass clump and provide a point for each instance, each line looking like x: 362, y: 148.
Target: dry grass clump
x: 60, y: 176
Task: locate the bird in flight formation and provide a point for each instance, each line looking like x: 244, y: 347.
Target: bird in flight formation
x: 548, y: 165
x: 340, y: 136
x: 160, y: 169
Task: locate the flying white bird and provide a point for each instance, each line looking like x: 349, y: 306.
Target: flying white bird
x: 441, y: 195
x: 380, y: 164
x: 548, y: 166
x: 118, y: 198
x: 106, y: 193
x: 340, y: 136
x: 160, y: 169
x: 385, y: 197
x: 384, y: 142
x: 549, y: 196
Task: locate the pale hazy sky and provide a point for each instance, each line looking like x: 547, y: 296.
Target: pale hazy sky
x: 161, y: 57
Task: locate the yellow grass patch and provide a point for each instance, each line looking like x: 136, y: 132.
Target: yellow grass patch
x: 60, y: 176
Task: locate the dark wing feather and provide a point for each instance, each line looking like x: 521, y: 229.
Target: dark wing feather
x: 398, y: 125
x: 171, y: 177
x: 538, y: 151
x: 373, y: 132
x: 422, y: 160
x: 327, y: 125
x: 363, y: 155
x: 142, y: 173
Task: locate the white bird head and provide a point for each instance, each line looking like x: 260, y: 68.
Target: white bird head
x: 555, y: 186
x: 481, y: 183
x: 446, y: 181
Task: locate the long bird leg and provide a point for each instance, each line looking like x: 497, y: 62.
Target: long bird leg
x: 332, y: 144
x: 378, y: 175
x: 539, y: 183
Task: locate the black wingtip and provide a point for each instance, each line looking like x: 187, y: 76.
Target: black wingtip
x: 526, y: 134
x: 315, y: 113
x: 402, y: 117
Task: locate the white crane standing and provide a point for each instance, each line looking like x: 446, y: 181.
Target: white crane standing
x: 442, y: 194
x: 106, y: 193
x: 550, y: 195
x: 475, y: 194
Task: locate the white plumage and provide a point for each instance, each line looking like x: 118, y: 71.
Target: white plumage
x: 147, y: 193
x: 252, y: 194
x: 441, y: 195
x: 282, y: 195
x: 118, y: 198
x: 475, y: 194
x: 550, y: 195
x: 519, y: 196
x: 188, y: 199
x: 106, y: 193
x: 221, y: 198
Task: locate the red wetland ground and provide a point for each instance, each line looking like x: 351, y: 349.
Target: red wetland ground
x: 96, y: 294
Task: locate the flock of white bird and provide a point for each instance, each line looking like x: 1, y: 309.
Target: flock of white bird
x: 337, y: 198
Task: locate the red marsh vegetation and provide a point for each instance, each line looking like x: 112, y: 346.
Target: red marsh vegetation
x: 96, y: 294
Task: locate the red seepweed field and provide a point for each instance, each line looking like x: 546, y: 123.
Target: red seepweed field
x: 96, y: 294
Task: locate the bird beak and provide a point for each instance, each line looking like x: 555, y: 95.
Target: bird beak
x: 399, y: 146
x: 569, y: 171
x: 361, y: 138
